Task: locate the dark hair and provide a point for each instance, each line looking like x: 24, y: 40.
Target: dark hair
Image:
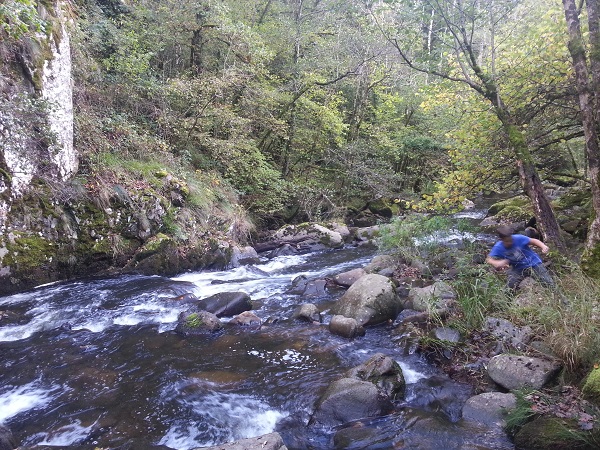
x: 504, y: 232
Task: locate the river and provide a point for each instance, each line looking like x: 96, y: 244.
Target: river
x: 118, y: 376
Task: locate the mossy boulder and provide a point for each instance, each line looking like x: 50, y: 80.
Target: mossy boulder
x: 196, y: 322
x: 516, y: 209
x: 384, y: 207
x: 591, y: 387
x: 550, y: 433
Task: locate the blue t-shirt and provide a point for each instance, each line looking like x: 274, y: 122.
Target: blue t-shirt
x: 520, y: 256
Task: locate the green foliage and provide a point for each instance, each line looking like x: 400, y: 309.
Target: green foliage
x: 19, y: 18
x: 521, y: 414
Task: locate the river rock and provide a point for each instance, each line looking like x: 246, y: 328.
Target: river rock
x: 345, y: 327
x: 437, y: 297
x: 504, y: 330
x: 381, y: 262
x: 315, y: 288
x: 284, y: 250
x: 346, y: 438
x: 347, y: 279
x: 310, y: 236
x: 383, y: 372
x: 489, y: 408
x: 367, y: 233
x: 307, y: 312
x: 192, y: 323
x: 271, y: 441
x: 342, y: 229
x: 226, y: 304
x: 370, y: 300
x: 246, y: 319
x: 519, y: 372
x: 244, y: 256
x: 446, y: 334
x: 349, y: 399
x: 7, y: 440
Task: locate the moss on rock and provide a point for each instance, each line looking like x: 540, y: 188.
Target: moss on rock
x: 516, y: 209
x: 550, y: 433
x: 591, y: 387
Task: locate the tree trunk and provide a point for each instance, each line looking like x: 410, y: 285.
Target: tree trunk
x: 587, y: 103
x: 532, y: 185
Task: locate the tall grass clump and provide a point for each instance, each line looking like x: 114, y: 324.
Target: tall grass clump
x: 568, y: 317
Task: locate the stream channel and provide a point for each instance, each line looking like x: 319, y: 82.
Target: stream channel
x: 120, y: 377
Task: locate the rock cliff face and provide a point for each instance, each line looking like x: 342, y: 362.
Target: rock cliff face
x: 56, y: 223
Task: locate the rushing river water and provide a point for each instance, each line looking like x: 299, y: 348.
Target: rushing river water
x: 119, y: 376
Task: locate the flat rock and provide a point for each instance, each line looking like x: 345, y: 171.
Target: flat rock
x: 504, y: 330
x: 489, y: 408
x: 347, y: 279
x: 381, y: 262
x: 271, y: 441
x: 519, y: 372
x: 447, y: 334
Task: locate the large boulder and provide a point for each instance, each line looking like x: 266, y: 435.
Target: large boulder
x: 437, y: 297
x: 307, y: 312
x: 345, y: 327
x: 309, y: 236
x: 349, y: 399
x: 367, y: 233
x: 504, y: 330
x: 519, y: 372
x: 271, y: 441
x: 226, y: 304
x: 243, y: 256
x: 383, y: 372
x: 7, y: 440
x: 371, y: 300
x: 347, y: 279
x: 195, y: 323
x: 489, y: 408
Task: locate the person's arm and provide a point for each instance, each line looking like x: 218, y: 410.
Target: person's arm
x: 497, y: 263
x: 537, y: 243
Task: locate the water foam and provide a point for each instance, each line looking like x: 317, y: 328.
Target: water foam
x: 67, y: 435
x: 24, y: 398
x: 219, y: 418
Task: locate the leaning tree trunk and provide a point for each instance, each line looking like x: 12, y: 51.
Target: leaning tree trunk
x: 587, y: 106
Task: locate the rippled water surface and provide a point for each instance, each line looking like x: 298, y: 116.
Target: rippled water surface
x: 118, y: 375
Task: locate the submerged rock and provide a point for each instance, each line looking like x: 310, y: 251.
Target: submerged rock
x: 7, y: 440
x: 271, y: 441
x: 194, y: 323
x: 383, y: 372
x: 489, y: 408
x: 349, y: 399
x: 226, y: 304
x: 370, y: 300
x: 519, y: 372
x: 345, y: 327
x: 307, y: 312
